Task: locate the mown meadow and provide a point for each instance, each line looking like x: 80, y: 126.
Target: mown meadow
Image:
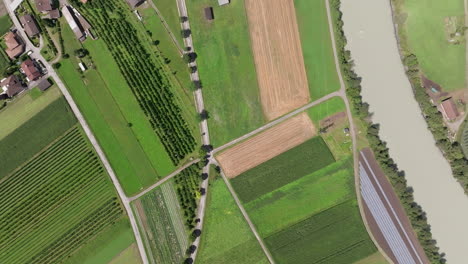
x: 227, y: 69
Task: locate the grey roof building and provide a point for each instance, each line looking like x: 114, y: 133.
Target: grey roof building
x: 134, y: 3
x: 223, y: 2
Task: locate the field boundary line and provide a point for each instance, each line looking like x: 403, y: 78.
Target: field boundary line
x: 277, y: 121
x: 166, y: 26
x: 163, y: 180
x: 246, y: 216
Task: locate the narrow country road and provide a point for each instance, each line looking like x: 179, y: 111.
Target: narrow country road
x: 200, y: 105
x: 163, y: 180
x: 36, y: 54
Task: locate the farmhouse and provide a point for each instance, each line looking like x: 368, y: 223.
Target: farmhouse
x: 30, y: 70
x: 11, y: 86
x: 14, y: 45
x: 449, y: 109
x: 223, y: 2
x: 77, y: 23
x: 44, y: 6
x: 209, y: 15
x: 134, y: 3
x: 44, y: 85
x: 29, y: 25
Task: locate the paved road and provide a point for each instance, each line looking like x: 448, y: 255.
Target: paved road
x: 163, y: 180
x: 198, y: 96
x: 277, y: 121
x: 37, y: 55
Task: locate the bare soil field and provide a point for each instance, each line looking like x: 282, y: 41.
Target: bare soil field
x: 278, y: 56
x: 266, y: 145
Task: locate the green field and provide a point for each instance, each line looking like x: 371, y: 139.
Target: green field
x: 135, y: 152
x: 167, y: 49
x: 5, y: 24
x: 226, y: 237
x: 283, y: 169
x: 302, y: 198
x: 129, y: 256
x: 56, y: 202
x: 4, y: 61
x: 227, y: 70
x: 168, y: 10
x: 336, y: 235
x: 106, y: 246
x: 35, y: 134
x: 23, y: 108
x: 316, y: 47
x: 427, y: 37
x: 326, y: 109
x: 162, y: 225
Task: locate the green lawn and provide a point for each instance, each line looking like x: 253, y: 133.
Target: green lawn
x: 5, y: 24
x: 425, y: 31
x: 35, y: 134
x: 4, y: 60
x: 24, y: 107
x: 326, y: 109
x: 302, y: 198
x: 283, y: 169
x: 227, y: 69
x: 336, y: 235
x: 106, y: 246
x: 130, y: 255
x: 316, y: 47
x: 132, y: 147
x: 226, y: 236
x: 167, y: 49
x: 168, y: 9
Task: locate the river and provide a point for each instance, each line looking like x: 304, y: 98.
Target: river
x: 369, y: 29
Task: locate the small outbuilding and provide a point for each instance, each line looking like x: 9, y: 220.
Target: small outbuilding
x: 29, y: 25
x: 134, y: 3
x: 449, y: 109
x: 44, y: 85
x: 223, y: 2
x: 209, y: 15
x: 54, y: 14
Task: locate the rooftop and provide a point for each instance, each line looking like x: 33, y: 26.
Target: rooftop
x: 134, y: 3
x: 44, y: 5
x: 11, y: 85
x: 449, y: 109
x: 14, y: 45
x: 29, y: 24
x: 223, y: 2
x: 44, y: 84
x: 28, y: 67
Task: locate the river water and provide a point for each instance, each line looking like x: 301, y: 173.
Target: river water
x: 369, y: 29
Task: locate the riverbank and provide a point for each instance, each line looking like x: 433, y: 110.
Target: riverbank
x: 389, y: 93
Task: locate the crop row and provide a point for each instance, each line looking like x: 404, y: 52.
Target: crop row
x: 187, y: 184
x: 102, y: 217
x: 145, y: 76
x: 55, y: 202
x: 163, y: 242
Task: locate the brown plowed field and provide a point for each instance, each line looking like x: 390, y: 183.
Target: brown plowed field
x: 266, y: 145
x: 278, y: 56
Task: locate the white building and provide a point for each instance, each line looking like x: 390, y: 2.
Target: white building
x: 223, y: 2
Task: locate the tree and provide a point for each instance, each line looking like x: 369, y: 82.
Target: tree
x: 80, y: 53
x: 196, y: 233
x: 207, y: 148
x: 204, y: 176
x: 185, y: 33
x: 188, y: 261
x: 193, y: 69
x: 202, y: 191
x: 204, y: 115
x: 189, y: 57
x: 191, y: 249
x: 56, y: 65
x: 183, y: 19
x: 49, y: 22
x: 66, y: 56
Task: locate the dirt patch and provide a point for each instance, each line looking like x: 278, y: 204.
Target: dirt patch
x: 278, y: 56
x: 266, y: 145
x: 142, y: 216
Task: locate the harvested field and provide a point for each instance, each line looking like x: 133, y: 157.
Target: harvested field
x: 266, y: 145
x: 278, y: 56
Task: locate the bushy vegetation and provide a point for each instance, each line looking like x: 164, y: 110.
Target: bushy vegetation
x: 143, y: 73
x: 55, y: 203
x: 187, y: 184
x: 336, y: 235
x: 397, y: 178
x: 162, y: 226
x: 35, y: 134
x: 289, y: 166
